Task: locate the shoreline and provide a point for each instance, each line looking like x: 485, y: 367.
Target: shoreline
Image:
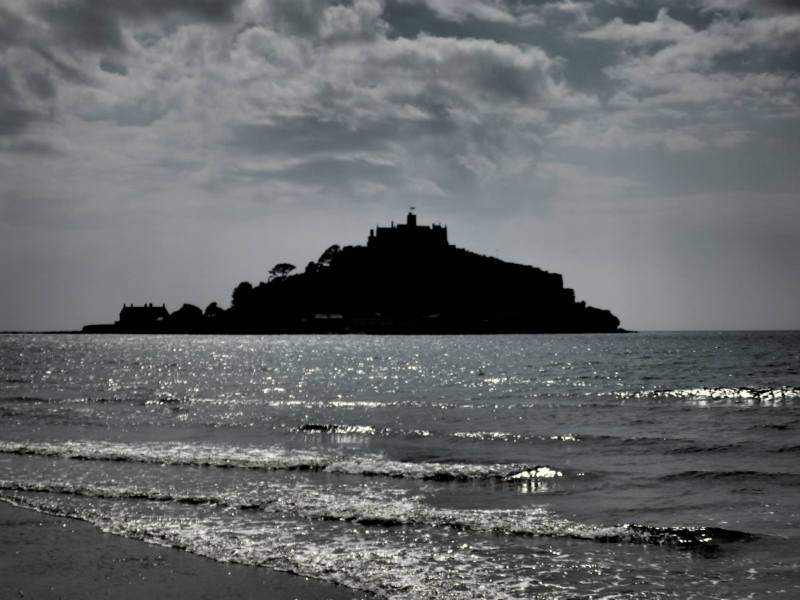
x: 48, y: 557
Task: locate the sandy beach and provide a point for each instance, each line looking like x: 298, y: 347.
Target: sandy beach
x: 45, y: 557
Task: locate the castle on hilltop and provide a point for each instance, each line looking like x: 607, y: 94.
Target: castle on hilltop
x: 407, y: 234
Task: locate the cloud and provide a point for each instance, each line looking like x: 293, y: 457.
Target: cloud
x: 495, y: 11
x: 664, y: 29
x: 746, y: 7
x: 361, y: 20
x: 90, y: 25
x: 445, y: 101
x: 25, y: 97
x: 340, y: 175
x: 312, y: 79
x: 323, y: 20
x: 309, y: 134
x: 325, y: 84
x: 686, y: 48
x: 579, y: 11
x: 45, y: 44
x: 686, y: 87
x: 13, y: 116
x: 756, y: 91
x: 29, y: 146
x: 575, y: 185
x: 619, y: 132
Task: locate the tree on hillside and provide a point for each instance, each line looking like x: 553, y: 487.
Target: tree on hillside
x: 241, y: 293
x: 328, y: 255
x: 280, y: 271
x: 187, y: 313
x: 213, y: 311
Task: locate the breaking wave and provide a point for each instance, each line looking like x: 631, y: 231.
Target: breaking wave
x: 305, y: 502
x: 733, y: 396
x: 276, y: 459
x: 337, y: 429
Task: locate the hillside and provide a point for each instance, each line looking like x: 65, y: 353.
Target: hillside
x: 407, y: 279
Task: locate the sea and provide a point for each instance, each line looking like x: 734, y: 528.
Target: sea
x: 641, y: 465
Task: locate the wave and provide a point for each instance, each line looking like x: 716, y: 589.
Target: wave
x: 506, y: 436
x: 482, y: 436
x: 337, y: 429
x: 777, y: 426
x: 277, y: 459
x: 105, y: 493
x: 140, y: 401
x: 786, y: 449
x: 499, y: 436
x: 24, y: 399
x: 333, y: 428
x: 734, y: 396
x: 700, y: 448
x: 733, y: 475
x: 692, y: 538
x: 308, y: 403
x: 306, y: 502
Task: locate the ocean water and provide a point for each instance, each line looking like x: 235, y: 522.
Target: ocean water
x: 563, y: 466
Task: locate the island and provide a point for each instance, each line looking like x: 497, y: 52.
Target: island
x: 407, y: 279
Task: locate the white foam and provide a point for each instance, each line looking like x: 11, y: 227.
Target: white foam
x: 268, y: 458
x: 733, y: 396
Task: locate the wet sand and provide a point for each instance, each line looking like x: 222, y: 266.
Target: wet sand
x: 45, y: 557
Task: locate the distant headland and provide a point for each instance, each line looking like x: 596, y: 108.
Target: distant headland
x: 407, y: 279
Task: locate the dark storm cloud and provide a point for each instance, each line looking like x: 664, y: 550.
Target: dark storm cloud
x: 139, y: 112
x: 112, y: 64
x: 581, y: 62
x: 83, y: 25
x: 299, y: 17
x: 56, y: 31
x: 96, y: 26
x: 646, y: 10
x: 14, y: 116
x: 7, y: 89
x: 30, y: 147
x: 27, y: 88
x: 17, y: 31
x: 749, y: 7
x: 41, y: 84
x: 14, y: 119
x: 11, y: 27
x: 790, y: 5
x: 409, y: 20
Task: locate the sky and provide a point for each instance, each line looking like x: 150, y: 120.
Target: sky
x: 165, y: 150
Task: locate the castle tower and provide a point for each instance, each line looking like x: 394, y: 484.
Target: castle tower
x: 408, y: 235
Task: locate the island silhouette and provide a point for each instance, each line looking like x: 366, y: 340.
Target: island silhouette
x: 407, y: 279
